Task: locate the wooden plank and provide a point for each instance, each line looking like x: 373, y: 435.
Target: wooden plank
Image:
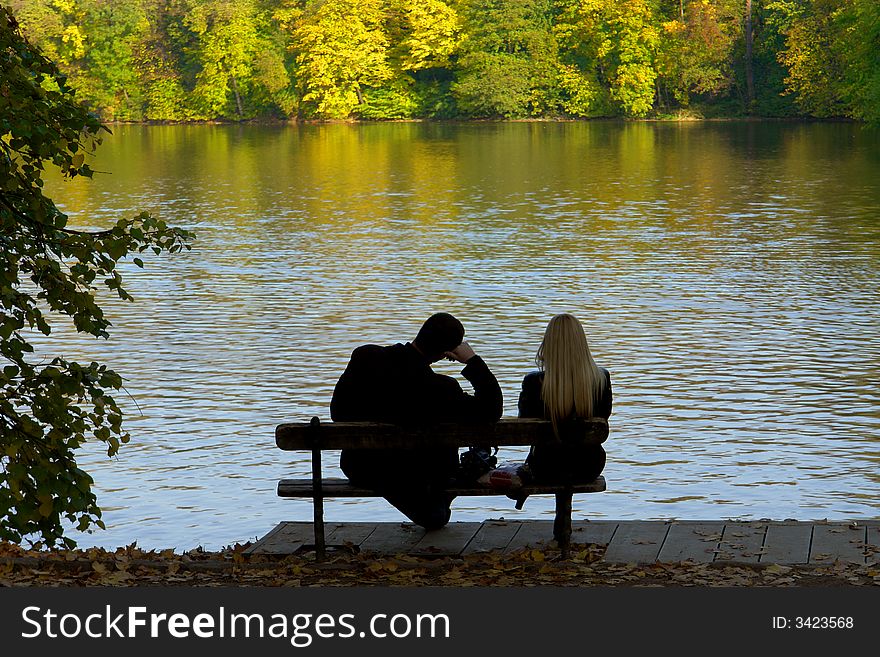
x: 367, y: 435
x: 598, y: 532
x: 287, y: 538
x: 742, y: 542
x: 787, y: 543
x: 691, y: 541
x: 392, y: 538
x: 353, y: 533
x: 596, y: 486
x: 838, y: 542
x: 342, y: 488
x: 329, y: 488
x: 872, y: 547
x: 448, y: 541
x: 636, y: 542
x: 531, y: 534
x: 268, y: 538
x: 492, y: 535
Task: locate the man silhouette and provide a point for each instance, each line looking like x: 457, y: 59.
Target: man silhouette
x: 396, y: 384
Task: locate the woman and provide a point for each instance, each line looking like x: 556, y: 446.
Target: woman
x: 568, y: 385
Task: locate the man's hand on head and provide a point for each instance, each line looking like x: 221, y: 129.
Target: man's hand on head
x: 462, y: 353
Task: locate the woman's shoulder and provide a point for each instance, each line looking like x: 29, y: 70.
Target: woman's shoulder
x: 530, y: 404
x: 533, y: 377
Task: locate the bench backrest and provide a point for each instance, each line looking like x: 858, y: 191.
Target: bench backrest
x: 373, y: 435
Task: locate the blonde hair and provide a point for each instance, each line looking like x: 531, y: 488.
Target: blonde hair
x: 573, y: 383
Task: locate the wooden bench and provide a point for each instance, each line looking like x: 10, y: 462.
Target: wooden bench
x: 316, y: 437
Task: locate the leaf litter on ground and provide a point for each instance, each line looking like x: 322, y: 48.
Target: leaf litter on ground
x: 233, y: 566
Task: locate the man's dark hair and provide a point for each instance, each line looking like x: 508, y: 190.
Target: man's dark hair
x: 441, y: 332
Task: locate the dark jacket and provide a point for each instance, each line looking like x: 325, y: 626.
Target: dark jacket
x: 532, y: 405
x: 396, y: 384
x: 565, y: 461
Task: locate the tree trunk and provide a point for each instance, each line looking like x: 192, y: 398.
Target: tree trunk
x: 237, y: 97
x: 750, y: 76
x: 681, y: 9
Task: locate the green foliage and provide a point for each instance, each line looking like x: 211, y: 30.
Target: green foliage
x: 813, y: 58
x: 240, y: 60
x: 695, y: 52
x: 184, y: 60
x: 95, y: 42
x: 50, y: 270
x: 423, y: 39
x: 493, y: 85
x: 581, y: 94
x: 424, y: 34
x: 435, y: 99
x: 859, y: 26
x: 771, y: 99
x: 396, y: 100
x: 341, y: 48
x: 831, y: 53
x: 507, y: 66
x: 615, y: 42
x: 226, y: 44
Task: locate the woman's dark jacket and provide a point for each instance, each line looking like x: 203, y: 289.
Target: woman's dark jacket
x: 566, y: 461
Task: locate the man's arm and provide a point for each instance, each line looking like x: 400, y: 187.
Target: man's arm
x: 486, y: 404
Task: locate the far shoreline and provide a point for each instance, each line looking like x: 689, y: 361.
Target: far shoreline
x: 272, y: 122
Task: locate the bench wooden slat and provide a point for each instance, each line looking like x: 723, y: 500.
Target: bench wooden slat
x: 342, y: 488
x: 373, y: 435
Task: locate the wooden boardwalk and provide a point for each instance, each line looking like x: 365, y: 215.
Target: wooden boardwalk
x: 756, y: 542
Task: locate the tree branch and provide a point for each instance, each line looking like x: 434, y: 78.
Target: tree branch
x: 67, y: 231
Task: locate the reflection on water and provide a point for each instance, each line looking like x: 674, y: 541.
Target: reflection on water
x: 726, y: 273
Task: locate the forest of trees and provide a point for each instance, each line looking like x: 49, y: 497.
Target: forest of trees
x: 195, y: 60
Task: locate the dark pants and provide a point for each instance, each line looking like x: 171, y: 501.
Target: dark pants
x: 566, y: 463
x: 413, y: 481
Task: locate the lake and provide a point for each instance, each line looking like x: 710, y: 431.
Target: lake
x: 726, y: 274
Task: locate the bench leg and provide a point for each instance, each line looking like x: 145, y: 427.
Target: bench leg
x: 562, y: 524
x: 318, y: 505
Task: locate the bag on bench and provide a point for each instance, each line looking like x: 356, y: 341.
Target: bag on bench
x: 475, y: 462
x: 510, y: 478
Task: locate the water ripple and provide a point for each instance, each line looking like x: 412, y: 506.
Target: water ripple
x: 732, y: 297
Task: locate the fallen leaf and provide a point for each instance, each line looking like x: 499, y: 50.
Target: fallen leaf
x: 776, y: 569
x: 119, y: 577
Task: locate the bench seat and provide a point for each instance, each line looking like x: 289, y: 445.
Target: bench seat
x: 342, y: 488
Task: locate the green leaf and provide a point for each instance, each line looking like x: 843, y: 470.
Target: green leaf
x: 45, y: 422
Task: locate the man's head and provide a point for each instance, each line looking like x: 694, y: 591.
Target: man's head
x: 440, y: 333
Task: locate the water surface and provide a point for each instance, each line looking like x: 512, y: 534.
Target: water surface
x: 727, y: 275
